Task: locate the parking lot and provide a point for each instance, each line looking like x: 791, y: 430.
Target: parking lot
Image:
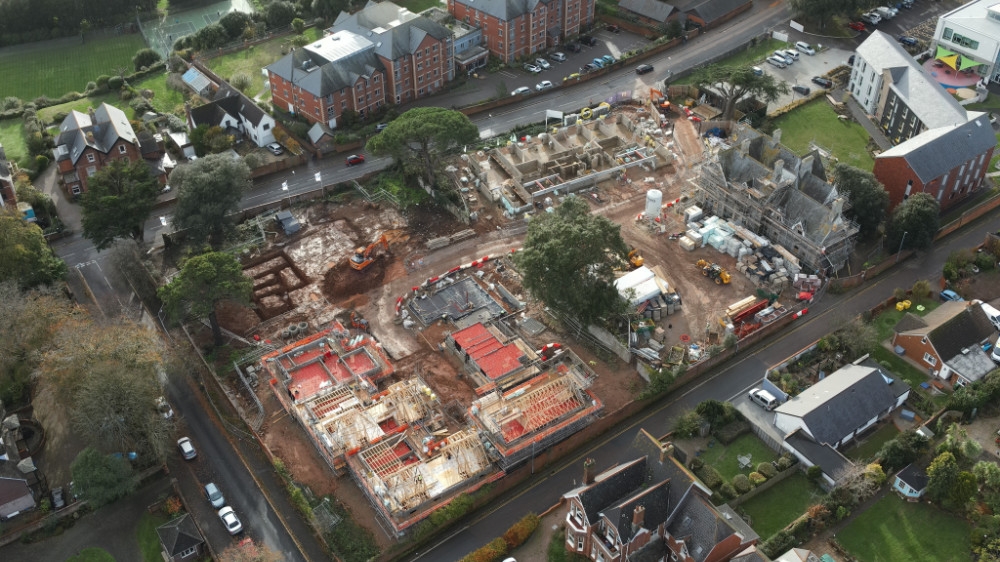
x: 802, y: 71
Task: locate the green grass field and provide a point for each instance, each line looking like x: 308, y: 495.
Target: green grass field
x: 164, y: 100
x: 723, y: 457
x: 149, y: 541
x: 752, y: 55
x: 817, y: 122
x: 885, y: 321
x: 252, y: 59
x: 53, y: 68
x: 897, y: 531
x: 417, y: 6
x: 872, y: 443
x: 92, y: 554
x: 12, y: 139
x: 774, y: 509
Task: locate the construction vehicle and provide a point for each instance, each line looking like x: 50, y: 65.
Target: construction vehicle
x: 358, y: 323
x: 634, y: 259
x: 363, y: 257
x: 660, y: 101
x: 715, y: 272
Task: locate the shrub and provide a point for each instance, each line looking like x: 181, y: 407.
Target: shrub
x: 103, y: 80
x: 41, y: 162
x: 241, y: 81
x: 814, y: 472
x: 786, y: 461
x: 767, y: 469
x: 521, y: 531
x: 742, y: 484
x: 687, y: 425
x: 709, y: 476
x: 10, y: 102
x: 492, y: 552
x: 985, y: 261
x: 115, y: 83
x: 145, y: 58
x: 727, y: 491
x: 921, y: 289
x: 729, y: 432
x: 757, y: 478
x: 779, y: 543
x: 140, y: 105
x: 696, y: 463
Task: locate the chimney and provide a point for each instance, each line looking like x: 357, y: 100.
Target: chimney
x: 776, y: 137
x: 638, y: 518
x: 665, y: 450
x: 588, y: 472
x: 836, y: 209
x: 187, y: 113
x: 806, y: 166
x: 779, y: 168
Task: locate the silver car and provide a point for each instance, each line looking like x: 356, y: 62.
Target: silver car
x: 214, y: 495
x: 187, y: 449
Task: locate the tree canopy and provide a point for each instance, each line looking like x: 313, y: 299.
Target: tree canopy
x: 203, y: 282
x: 419, y: 138
x: 101, y: 479
x: 208, y: 191
x: 117, y: 203
x: 914, y: 223
x: 734, y: 82
x: 569, y: 259
x: 822, y: 11
x: 869, y: 199
x: 25, y: 256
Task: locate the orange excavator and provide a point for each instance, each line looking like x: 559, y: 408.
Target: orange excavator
x: 660, y: 101
x: 363, y: 257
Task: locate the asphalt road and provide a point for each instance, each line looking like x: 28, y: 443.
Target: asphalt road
x: 734, y: 378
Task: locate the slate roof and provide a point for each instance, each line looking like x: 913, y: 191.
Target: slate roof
x: 334, y: 62
x: 750, y: 554
x: 914, y: 477
x: 318, y: 131
x: 829, y: 459
x: 503, y: 9
x: 652, y: 9
x: 229, y: 102
x: 843, y: 401
x: 909, y: 322
x: 612, y: 485
x: 396, y: 31
x: 79, y: 131
x: 968, y: 328
x: 711, y: 10
x: 701, y: 526
x: 179, y: 535
x: 656, y: 550
x: 12, y: 489
x: 934, y: 152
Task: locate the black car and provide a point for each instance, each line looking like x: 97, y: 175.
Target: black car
x: 906, y: 40
x: 644, y: 69
x: 588, y: 40
x: 587, y: 68
x: 824, y: 82
x: 572, y: 47
x: 801, y: 89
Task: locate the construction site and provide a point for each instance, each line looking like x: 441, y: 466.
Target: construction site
x: 401, y: 348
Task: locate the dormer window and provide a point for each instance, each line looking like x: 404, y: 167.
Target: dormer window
x: 90, y: 158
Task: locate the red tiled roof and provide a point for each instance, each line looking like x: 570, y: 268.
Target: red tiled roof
x: 492, y: 357
x: 500, y: 362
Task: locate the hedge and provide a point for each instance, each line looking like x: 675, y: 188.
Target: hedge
x: 757, y: 478
x: 520, y: 532
x: 709, y: 476
x: 767, y: 469
x: 742, y: 484
x: 729, y: 432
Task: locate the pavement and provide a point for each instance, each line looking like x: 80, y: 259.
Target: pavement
x: 113, y: 528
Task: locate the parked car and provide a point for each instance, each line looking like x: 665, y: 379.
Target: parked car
x: 558, y: 57
x: 214, y: 495
x: 757, y: 70
x: 949, y: 295
x: 532, y: 68
x: 543, y: 64
x: 804, y: 90
x: 885, y: 12
x: 187, y: 448
x: 608, y: 59
x: 804, y: 47
x: 58, y: 501
x: 871, y: 18
x: 824, y: 82
x: 907, y: 4
x: 587, y: 68
x: 163, y: 407
x: 275, y: 148
x: 588, y: 40
x: 764, y: 398
x: 791, y: 54
x: 643, y: 69
x: 355, y: 159
x: 776, y: 61
x: 381, y: 127
x: 598, y: 62
x: 857, y: 26
x: 907, y: 40
x: 523, y: 90
x: 850, y: 60
x: 779, y: 54
x: 613, y: 28
x: 543, y: 85
x: 573, y: 47
x: 230, y: 520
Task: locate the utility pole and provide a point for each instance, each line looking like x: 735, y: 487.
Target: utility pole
x: 903, y: 239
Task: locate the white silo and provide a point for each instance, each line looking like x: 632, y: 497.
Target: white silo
x: 654, y: 199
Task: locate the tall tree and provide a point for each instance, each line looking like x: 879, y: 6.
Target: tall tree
x: 569, y: 259
x: 942, y: 477
x: 203, y: 282
x: 101, y: 479
x: 25, y: 256
x: 117, y: 203
x: 821, y: 12
x: 734, y: 82
x: 248, y: 551
x: 419, y: 138
x: 957, y: 442
x: 914, y: 223
x: 869, y: 199
x: 329, y: 9
x: 28, y: 321
x: 208, y: 191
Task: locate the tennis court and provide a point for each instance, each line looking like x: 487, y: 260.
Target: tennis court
x: 161, y: 33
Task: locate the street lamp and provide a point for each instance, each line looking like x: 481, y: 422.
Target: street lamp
x: 901, y: 240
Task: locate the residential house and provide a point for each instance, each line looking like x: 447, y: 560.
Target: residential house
x: 236, y: 113
x: 948, y: 162
x: 947, y: 341
x: 700, y: 13
x: 8, y: 197
x: 972, y: 31
x: 911, y: 482
x: 798, y: 555
x: 651, y: 509
x: 89, y: 141
x: 514, y: 29
x: 652, y: 12
x: 383, y: 54
x: 837, y: 409
x: 896, y: 91
x: 180, y: 539
x: 470, y: 53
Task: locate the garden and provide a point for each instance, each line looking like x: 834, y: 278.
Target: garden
x: 845, y: 139
x: 774, y: 509
x: 250, y: 60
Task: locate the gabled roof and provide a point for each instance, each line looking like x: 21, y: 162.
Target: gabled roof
x: 829, y: 459
x: 930, y: 321
x: 330, y: 64
x: 652, y: 9
x: 611, y: 486
x: 229, y: 102
x: 711, y: 10
x: 79, y: 131
x: 318, y: 131
x: 844, y: 401
x: 505, y: 10
x: 12, y: 489
x: 797, y: 555
x: 909, y: 322
x: 179, y: 535
x: 396, y: 31
x: 934, y: 152
x: 967, y: 328
x: 702, y: 526
x: 914, y: 477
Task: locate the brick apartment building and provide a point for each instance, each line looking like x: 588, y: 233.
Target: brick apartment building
x: 383, y: 54
x: 513, y: 29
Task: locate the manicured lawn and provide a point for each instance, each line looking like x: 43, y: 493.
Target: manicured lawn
x: 897, y: 531
x: 164, y: 100
x: 12, y: 139
x: 723, y: 457
x: 817, y: 122
x: 93, y: 554
x: 53, y: 68
x: 906, y: 371
x: 417, y: 6
x: 872, y: 443
x: 885, y: 321
x: 774, y: 509
x: 252, y: 59
x: 47, y: 115
x: 149, y: 542
x: 752, y: 55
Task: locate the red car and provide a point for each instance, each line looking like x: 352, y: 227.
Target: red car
x: 857, y: 26
x: 355, y: 159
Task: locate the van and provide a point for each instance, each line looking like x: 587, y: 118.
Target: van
x: 791, y: 54
x: 886, y: 12
x: 805, y: 47
x: 993, y: 314
x: 764, y: 398
x: 777, y: 61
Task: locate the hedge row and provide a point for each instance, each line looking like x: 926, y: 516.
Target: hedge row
x: 499, y: 547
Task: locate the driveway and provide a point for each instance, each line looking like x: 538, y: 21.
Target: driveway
x: 113, y: 528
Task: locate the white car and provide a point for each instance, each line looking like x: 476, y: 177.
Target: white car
x: 543, y: 64
x: 230, y: 520
x: 523, y: 90
x: 558, y: 57
x: 532, y: 68
x: 275, y: 148
x: 805, y: 48
x: 779, y: 62
x: 543, y: 85
x: 187, y: 449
